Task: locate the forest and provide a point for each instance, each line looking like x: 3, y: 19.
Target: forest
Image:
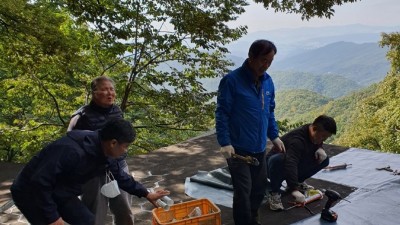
x: 156, y: 52
x: 367, y: 115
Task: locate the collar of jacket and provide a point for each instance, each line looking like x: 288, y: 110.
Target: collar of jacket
x: 100, y: 109
x: 249, y: 75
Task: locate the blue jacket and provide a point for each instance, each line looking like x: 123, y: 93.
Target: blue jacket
x: 245, y: 116
x: 58, y: 172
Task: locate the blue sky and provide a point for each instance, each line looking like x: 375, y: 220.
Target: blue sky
x: 366, y: 12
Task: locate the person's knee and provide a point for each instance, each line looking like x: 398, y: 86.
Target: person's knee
x: 88, y: 219
x: 73, y: 211
x: 83, y: 219
x: 120, y: 205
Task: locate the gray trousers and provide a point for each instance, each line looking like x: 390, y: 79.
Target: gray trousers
x: 98, y: 204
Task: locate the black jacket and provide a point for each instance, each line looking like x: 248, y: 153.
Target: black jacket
x: 58, y: 172
x: 94, y: 117
x: 300, y: 153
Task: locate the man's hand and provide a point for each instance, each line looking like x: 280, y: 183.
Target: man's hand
x: 279, y: 144
x: 299, y: 197
x: 154, y: 196
x: 227, y: 151
x: 320, y: 155
x: 58, y: 222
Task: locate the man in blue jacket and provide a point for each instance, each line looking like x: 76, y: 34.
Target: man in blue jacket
x: 244, y: 120
x: 46, y: 190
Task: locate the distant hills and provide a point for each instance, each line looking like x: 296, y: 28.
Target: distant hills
x: 328, y: 85
x: 332, y: 61
x: 364, y: 64
x: 293, y: 41
x: 292, y: 103
x: 333, y: 70
x: 302, y: 111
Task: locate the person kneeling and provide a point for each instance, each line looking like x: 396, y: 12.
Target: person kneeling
x: 303, y: 158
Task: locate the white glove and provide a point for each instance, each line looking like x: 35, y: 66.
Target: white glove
x: 227, y: 151
x: 279, y: 144
x: 299, y: 197
x: 320, y: 155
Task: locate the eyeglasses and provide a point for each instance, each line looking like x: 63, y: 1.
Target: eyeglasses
x: 102, y: 91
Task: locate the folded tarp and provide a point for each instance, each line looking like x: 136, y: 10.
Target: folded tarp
x: 218, y: 178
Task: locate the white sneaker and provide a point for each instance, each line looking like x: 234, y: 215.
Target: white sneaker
x: 304, y: 187
x: 275, y: 203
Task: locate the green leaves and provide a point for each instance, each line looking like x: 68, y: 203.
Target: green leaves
x: 377, y: 122
x: 393, y: 42
x: 307, y: 9
x: 158, y: 52
x: 376, y: 125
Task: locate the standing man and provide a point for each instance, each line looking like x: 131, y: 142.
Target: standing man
x: 46, y: 190
x: 244, y: 120
x: 92, y: 117
x: 304, y: 157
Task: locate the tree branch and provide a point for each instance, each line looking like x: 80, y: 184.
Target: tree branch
x: 139, y: 146
x: 52, y: 97
x: 43, y: 124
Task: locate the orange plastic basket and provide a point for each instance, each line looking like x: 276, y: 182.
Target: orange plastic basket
x: 178, y: 214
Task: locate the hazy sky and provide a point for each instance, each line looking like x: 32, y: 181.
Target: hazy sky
x: 367, y: 12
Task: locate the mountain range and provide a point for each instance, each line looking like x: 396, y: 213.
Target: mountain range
x: 293, y: 41
x: 364, y: 63
x: 332, y: 61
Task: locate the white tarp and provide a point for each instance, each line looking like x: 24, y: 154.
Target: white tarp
x: 375, y: 202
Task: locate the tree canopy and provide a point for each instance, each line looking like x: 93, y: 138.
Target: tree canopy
x: 377, y: 122
x: 307, y: 9
x: 156, y: 51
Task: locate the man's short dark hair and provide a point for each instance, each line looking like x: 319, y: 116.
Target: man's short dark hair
x: 261, y: 47
x: 118, y: 129
x: 326, y: 123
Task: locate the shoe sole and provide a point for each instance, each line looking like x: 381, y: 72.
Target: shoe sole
x: 276, y: 208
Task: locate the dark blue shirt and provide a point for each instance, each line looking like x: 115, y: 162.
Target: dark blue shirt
x: 58, y: 171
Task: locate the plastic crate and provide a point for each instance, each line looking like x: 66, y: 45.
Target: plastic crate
x: 178, y: 214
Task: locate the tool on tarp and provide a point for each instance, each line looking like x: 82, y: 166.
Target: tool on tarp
x: 387, y: 168
x: 337, y: 167
x: 327, y: 214
x: 312, y: 195
x: 248, y: 159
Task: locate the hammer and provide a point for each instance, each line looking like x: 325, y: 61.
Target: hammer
x: 248, y: 159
